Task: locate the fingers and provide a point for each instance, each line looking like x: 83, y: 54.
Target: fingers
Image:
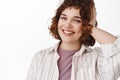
x: 93, y: 18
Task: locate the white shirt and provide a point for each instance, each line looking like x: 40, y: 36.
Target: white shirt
x: 100, y: 63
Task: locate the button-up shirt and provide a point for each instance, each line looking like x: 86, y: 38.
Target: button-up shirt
x: 99, y: 63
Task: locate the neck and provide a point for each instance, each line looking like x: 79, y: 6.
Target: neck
x: 70, y: 46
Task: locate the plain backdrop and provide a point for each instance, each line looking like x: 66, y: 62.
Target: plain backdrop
x: 24, y: 31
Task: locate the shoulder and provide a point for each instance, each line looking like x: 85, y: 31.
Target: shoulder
x: 47, y: 51
x: 44, y: 52
x: 41, y: 55
x: 93, y: 50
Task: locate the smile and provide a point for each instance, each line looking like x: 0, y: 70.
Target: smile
x: 68, y: 32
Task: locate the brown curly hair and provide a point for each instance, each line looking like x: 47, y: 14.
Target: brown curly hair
x: 86, y: 12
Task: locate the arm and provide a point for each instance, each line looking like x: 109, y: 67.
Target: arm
x: 31, y: 75
x: 102, y: 36
x: 108, y: 62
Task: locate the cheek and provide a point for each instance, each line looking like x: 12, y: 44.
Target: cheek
x: 59, y: 27
x: 79, y: 29
x: 59, y: 23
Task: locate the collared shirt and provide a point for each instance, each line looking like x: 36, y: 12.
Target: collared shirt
x: 100, y: 63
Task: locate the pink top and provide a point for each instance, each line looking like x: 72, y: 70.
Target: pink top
x: 65, y: 63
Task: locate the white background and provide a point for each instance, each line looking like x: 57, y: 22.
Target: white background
x: 24, y: 31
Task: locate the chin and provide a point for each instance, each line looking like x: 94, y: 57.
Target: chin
x: 67, y: 41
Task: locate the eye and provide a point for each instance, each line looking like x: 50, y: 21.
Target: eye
x: 63, y: 18
x: 78, y: 21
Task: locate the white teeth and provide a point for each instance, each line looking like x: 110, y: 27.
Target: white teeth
x: 68, y: 32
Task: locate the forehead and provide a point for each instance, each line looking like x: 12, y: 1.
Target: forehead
x: 71, y: 11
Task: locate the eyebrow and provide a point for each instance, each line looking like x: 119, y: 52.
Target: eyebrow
x: 77, y: 17
x: 74, y: 16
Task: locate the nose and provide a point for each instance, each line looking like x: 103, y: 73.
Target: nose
x: 68, y: 24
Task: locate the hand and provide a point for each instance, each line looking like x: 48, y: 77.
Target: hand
x: 93, y: 21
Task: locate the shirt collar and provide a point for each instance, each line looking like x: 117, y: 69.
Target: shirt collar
x: 82, y: 50
x: 54, y: 48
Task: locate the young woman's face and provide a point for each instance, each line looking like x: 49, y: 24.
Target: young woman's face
x: 69, y: 25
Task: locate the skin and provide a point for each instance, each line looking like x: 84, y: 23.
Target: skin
x: 69, y: 29
x: 101, y: 36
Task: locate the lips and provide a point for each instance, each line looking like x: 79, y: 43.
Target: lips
x: 68, y: 32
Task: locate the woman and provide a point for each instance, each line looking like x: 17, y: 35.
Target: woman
x: 74, y: 24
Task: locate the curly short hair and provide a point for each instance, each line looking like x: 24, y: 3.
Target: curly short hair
x: 86, y: 12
